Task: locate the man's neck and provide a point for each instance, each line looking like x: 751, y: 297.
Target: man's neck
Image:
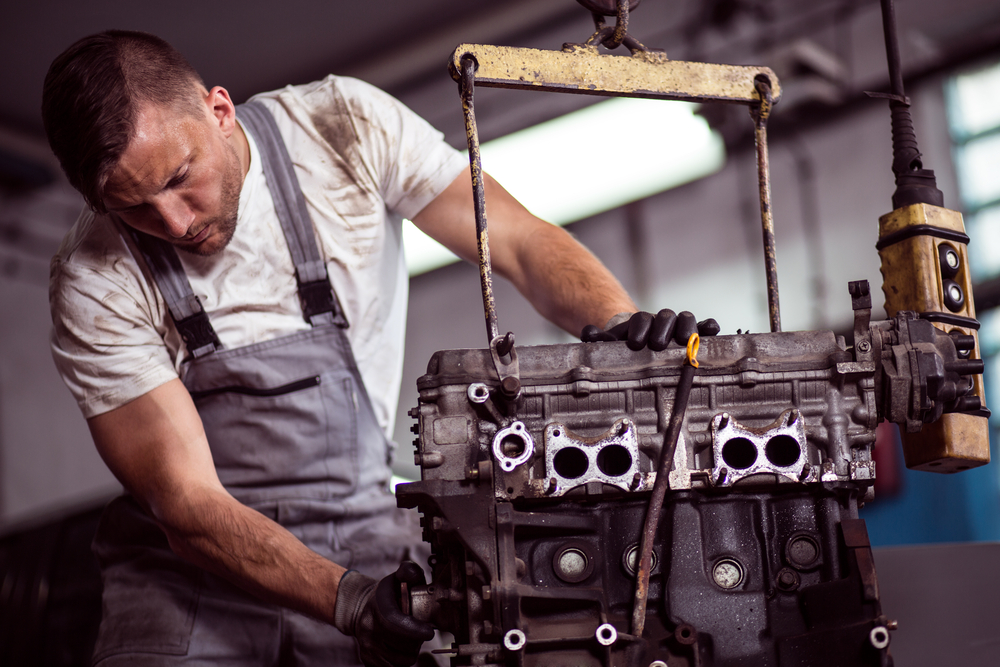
x: 242, y: 147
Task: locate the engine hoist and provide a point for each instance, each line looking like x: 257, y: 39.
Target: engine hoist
x: 588, y: 504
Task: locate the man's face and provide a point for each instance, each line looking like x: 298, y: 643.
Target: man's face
x: 179, y: 180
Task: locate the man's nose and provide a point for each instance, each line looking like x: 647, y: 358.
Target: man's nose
x: 177, y: 216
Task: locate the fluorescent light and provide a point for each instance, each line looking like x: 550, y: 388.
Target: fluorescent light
x: 423, y: 253
x: 591, y: 161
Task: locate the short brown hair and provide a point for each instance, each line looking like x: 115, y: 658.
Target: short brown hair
x: 92, y: 97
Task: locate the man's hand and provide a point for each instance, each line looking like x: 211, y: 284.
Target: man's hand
x: 655, y: 332
x: 369, y: 611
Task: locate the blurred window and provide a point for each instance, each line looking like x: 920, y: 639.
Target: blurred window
x: 974, y: 116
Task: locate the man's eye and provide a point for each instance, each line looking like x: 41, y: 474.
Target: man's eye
x: 178, y: 179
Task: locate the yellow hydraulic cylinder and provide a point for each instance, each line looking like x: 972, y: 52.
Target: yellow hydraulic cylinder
x: 925, y: 268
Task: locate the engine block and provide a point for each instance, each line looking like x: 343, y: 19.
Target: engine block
x: 534, y: 504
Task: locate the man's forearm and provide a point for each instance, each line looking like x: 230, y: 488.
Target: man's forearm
x: 562, y: 279
x: 566, y: 283
x: 214, y: 531
x: 156, y: 446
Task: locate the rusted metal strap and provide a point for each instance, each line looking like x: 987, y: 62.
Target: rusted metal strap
x: 501, y: 347
x: 760, y: 113
x: 467, y: 82
x: 581, y: 69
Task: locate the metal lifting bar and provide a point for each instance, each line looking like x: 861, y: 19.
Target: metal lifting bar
x: 646, y: 73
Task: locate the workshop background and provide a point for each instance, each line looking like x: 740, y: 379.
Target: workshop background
x: 690, y: 240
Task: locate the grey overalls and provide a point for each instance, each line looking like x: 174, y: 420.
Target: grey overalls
x: 293, y: 435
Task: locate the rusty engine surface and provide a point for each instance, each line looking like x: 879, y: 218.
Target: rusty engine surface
x: 534, y: 506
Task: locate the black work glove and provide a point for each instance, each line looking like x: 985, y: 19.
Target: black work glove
x: 646, y: 330
x: 369, y: 611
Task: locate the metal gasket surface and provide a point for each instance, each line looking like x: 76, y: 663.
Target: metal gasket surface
x: 741, y: 451
x: 512, y: 446
x: 611, y: 458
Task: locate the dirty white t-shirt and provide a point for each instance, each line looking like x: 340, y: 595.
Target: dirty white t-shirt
x: 364, y: 162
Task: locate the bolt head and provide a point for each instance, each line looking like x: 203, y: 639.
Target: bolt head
x: 510, y: 386
x: 788, y: 580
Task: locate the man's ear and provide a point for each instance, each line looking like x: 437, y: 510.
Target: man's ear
x: 221, y: 106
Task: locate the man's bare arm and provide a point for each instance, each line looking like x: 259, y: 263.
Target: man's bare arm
x: 561, y: 278
x: 158, y: 450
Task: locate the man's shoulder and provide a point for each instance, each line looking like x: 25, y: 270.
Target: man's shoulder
x: 93, y: 240
x: 93, y: 257
x: 327, y: 90
x: 336, y: 107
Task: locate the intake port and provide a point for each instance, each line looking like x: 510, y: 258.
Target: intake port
x: 570, y: 462
x: 513, y: 446
x: 614, y: 460
x: 739, y: 453
x: 782, y: 450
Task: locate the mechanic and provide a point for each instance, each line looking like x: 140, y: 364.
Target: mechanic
x: 252, y: 443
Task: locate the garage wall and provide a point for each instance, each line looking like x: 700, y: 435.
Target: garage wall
x: 47, y: 460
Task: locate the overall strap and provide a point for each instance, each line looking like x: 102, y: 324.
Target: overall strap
x: 319, y: 301
x: 186, y: 310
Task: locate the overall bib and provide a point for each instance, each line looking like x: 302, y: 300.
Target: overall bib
x: 293, y: 435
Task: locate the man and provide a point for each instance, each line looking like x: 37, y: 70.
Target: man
x: 251, y: 442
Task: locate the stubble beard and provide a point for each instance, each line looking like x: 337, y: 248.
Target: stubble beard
x: 223, y: 226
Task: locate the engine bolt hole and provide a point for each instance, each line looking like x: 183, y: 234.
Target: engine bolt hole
x: 514, y: 640
x: 606, y: 634
x: 478, y: 392
x: 879, y: 637
x: 685, y: 634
